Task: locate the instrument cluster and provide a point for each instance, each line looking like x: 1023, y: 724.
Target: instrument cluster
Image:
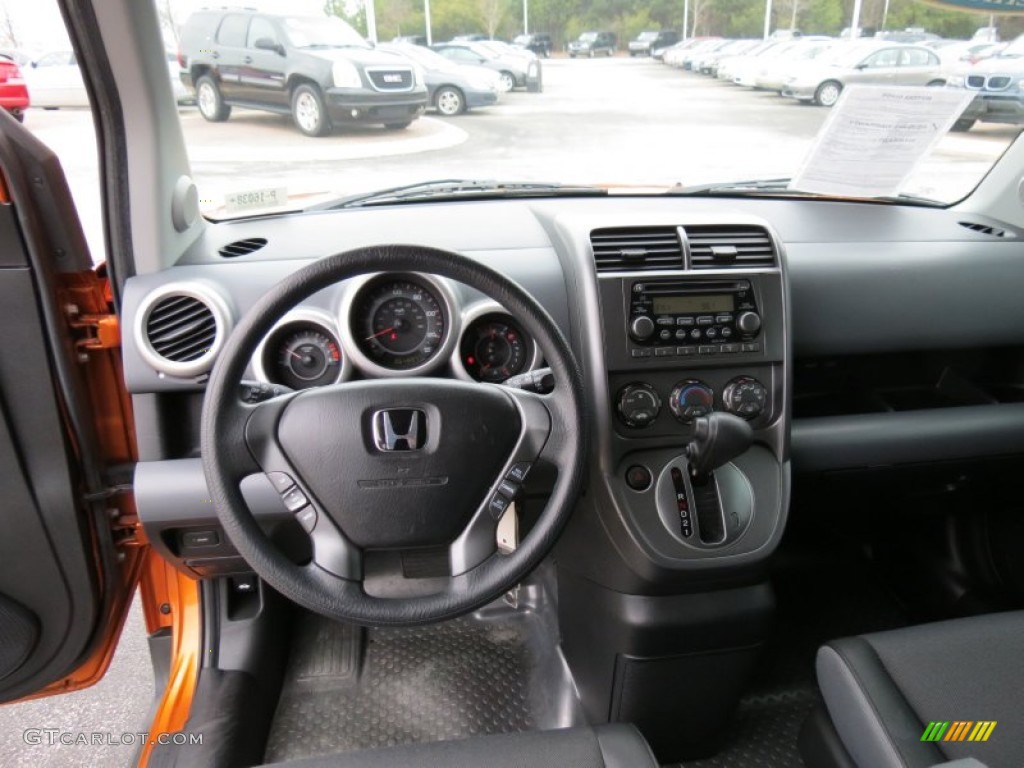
x: 392, y: 325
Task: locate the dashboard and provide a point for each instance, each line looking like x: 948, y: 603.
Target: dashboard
x: 674, y: 308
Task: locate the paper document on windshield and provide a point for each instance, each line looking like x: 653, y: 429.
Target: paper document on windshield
x: 875, y: 137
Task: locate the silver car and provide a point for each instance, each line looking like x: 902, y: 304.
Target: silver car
x: 863, y: 62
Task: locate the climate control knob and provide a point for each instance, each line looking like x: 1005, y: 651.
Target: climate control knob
x: 691, y: 399
x: 749, y: 322
x: 745, y: 396
x: 639, y: 405
x: 642, y: 328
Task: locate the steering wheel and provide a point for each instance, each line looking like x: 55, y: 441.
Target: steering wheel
x: 382, y: 464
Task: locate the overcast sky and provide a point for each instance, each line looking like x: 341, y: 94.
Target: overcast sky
x: 39, y: 26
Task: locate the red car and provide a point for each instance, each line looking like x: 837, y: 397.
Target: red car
x: 13, y: 93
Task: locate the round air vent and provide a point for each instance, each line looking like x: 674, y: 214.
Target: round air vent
x: 181, y: 328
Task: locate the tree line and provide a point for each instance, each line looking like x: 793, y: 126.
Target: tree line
x: 564, y: 20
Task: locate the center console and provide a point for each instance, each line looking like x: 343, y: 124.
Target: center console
x: 662, y: 582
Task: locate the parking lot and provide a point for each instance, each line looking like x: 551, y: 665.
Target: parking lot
x: 626, y: 122
x: 616, y: 121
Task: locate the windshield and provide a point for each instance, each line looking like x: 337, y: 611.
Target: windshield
x: 322, y: 33
x: 336, y: 118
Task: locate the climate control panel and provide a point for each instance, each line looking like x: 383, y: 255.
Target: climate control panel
x: 639, y: 403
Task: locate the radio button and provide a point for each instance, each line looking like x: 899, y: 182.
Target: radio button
x: 695, y: 333
x: 724, y: 319
x: 685, y: 321
x: 640, y: 352
x: 705, y: 320
x: 730, y: 348
x: 664, y: 351
x: 641, y: 328
x: 686, y: 351
x: 681, y: 334
x: 706, y: 350
x: 749, y: 322
x: 665, y: 335
x: 752, y: 347
x: 665, y: 320
x: 726, y: 332
x: 711, y: 333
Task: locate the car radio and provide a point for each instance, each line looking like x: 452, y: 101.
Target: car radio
x: 693, y: 316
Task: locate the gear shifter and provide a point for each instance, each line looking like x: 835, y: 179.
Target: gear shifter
x: 718, y: 438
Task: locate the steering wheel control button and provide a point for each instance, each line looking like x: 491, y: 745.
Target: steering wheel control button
x: 638, y: 405
x: 638, y: 477
x: 518, y: 472
x: 307, y: 518
x: 282, y: 481
x: 691, y: 399
x: 498, y: 505
x: 682, y: 503
x: 294, y: 500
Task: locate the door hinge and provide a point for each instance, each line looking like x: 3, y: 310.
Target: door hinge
x: 93, y: 331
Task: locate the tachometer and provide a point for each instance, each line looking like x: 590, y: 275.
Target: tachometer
x: 493, y: 349
x: 302, y: 355
x: 399, y: 324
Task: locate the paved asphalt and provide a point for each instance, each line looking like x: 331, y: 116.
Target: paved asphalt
x: 118, y: 704
x: 616, y: 121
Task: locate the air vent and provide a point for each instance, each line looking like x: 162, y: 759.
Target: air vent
x: 181, y: 329
x: 635, y: 248
x: 242, y: 247
x: 730, y: 247
x: 983, y: 229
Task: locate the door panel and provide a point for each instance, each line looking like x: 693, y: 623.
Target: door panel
x: 68, y: 554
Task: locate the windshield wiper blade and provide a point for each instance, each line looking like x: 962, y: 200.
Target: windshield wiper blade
x: 780, y: 188
x: 458, y: 189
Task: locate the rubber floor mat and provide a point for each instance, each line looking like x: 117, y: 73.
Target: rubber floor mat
x: 348, y: 689
x: 764, y: 733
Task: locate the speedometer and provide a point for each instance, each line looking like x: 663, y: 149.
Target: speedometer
x: 399, y: 324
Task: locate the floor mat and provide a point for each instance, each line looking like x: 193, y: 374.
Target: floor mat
x: 764, y: 734
x: 347, y: 689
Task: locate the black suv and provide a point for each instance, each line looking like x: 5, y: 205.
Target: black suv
x: 648, y: 42
x: 319, y: 70
x: 593, y: 43
x: 539, y: 44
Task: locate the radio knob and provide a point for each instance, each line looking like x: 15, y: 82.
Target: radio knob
x: 749, y: 322
x: 639, y: 405
x: 642, y: 328
x: 745, y: 396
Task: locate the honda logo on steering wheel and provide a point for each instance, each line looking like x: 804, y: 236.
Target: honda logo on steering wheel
x: 399, y: 429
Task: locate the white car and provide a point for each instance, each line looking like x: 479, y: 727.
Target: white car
x: 54, y: 80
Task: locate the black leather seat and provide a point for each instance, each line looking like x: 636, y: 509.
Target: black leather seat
x: 606, y: 746
x: 883, y: 690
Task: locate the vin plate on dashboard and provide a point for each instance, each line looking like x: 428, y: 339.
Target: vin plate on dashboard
x: 255, y: 198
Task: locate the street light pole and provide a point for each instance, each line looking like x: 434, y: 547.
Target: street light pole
x: 526, y: 17
x: 426, y: 21
x: 768, y: 18
x: 855, y: 25
x: 686, y: 19
x: 371, y: 21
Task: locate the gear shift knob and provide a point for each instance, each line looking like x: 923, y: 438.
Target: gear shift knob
x: 718, y: 438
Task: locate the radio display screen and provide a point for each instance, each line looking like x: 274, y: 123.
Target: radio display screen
x: 685, y: 305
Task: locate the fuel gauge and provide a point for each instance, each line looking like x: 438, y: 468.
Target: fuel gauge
x: 494, y: 348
